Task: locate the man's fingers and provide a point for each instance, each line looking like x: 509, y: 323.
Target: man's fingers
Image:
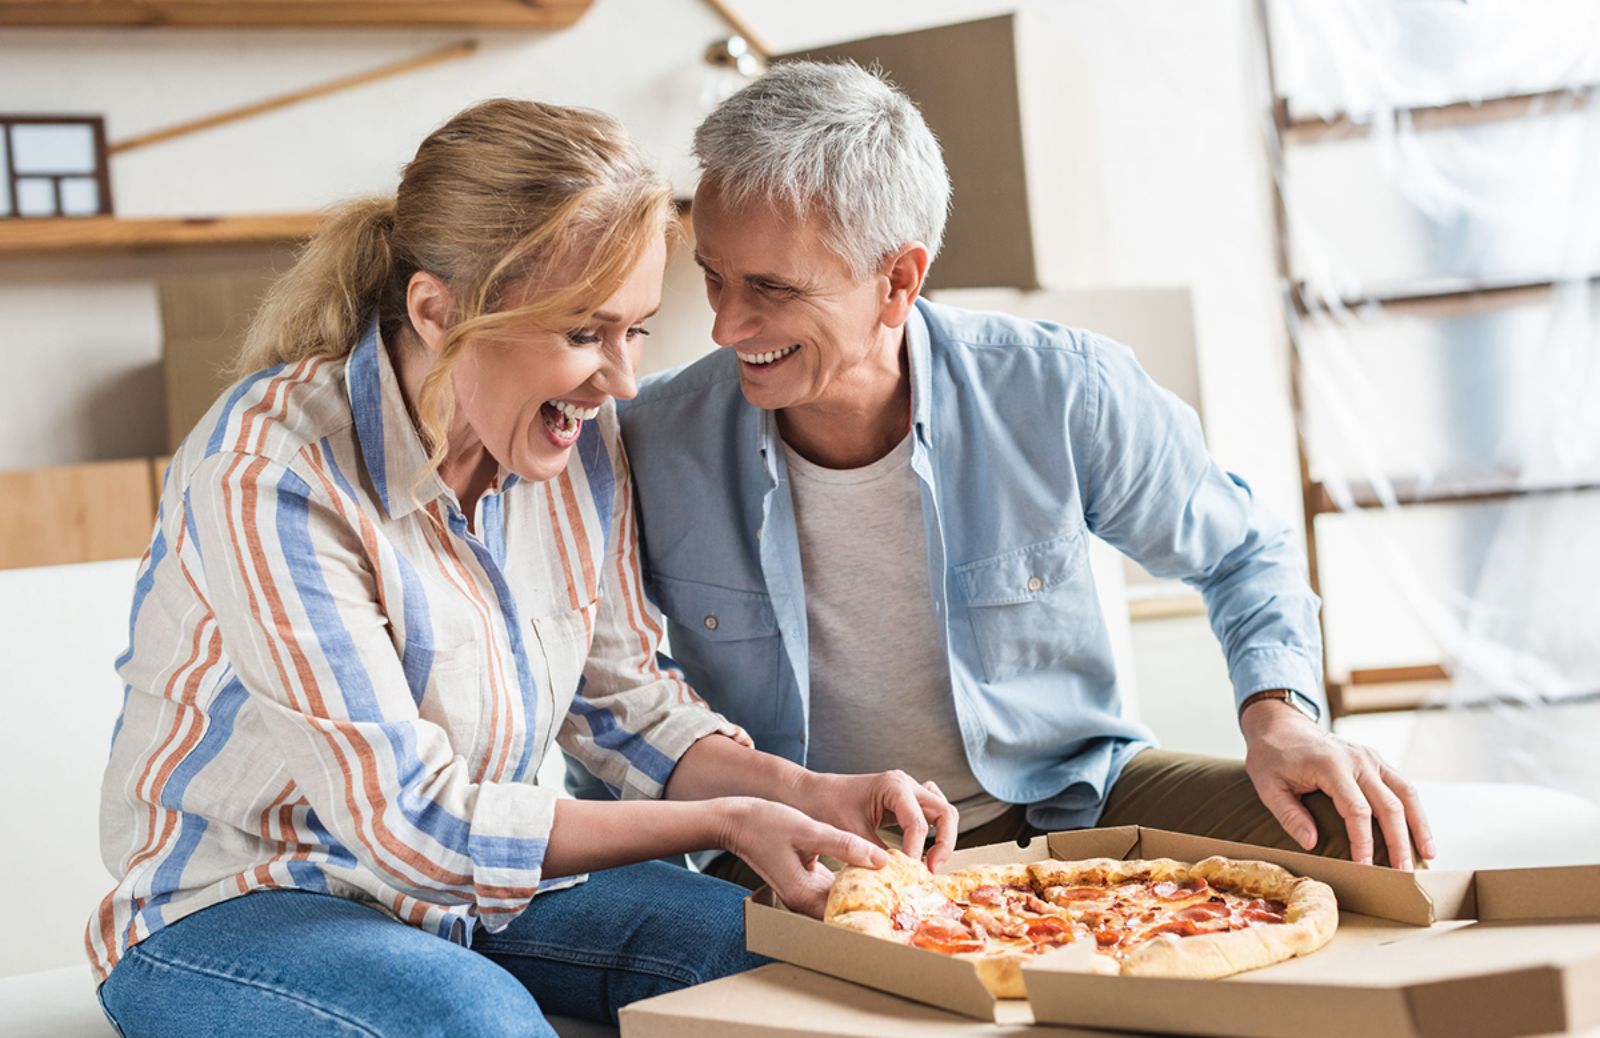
x: 1292, y: 815
x: 907, y: 810
x: 946, y: 818
x: 1391, y: 816
x: 1416, y: 817
x: 1356, y: 812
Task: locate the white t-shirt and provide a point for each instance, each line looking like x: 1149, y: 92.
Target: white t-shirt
x: 880, y: 682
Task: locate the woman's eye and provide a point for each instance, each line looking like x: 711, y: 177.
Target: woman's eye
x: 583, y: 338
x: 638, y: 330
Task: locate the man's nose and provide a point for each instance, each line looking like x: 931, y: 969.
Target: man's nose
x: 735, y: 321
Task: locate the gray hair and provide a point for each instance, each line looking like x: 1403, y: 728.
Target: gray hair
x: 836, y: 141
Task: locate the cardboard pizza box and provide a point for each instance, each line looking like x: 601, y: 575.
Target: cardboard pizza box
x: 1502, y: 934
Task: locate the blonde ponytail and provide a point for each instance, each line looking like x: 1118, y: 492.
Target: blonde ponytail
x: 318, y: 308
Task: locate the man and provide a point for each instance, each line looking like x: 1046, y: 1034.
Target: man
x: 866, y: 516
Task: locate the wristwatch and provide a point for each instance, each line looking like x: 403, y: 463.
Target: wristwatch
x: 1304, y: 704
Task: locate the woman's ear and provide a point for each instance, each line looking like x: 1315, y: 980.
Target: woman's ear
x: 428, y: 303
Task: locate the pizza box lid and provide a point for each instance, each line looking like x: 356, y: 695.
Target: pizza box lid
x: 771, y: 929
x: 1511, y: 952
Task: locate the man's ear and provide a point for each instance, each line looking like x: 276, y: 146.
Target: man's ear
x: 904, y: 272
x: 428, y: 303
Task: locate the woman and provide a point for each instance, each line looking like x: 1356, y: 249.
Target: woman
x: 392, y: 568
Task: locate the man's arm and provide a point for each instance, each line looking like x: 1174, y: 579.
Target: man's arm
x: 1151, y: 489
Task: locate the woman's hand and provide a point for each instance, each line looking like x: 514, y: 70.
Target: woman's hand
x: 783, y: 846
x: 862, y: 804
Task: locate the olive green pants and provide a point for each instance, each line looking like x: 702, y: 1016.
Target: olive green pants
x: 1161, y: 789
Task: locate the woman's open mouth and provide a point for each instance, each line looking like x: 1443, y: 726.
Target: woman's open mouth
x: 563, y: 420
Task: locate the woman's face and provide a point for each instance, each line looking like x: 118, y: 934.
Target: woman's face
x: 525, y: 398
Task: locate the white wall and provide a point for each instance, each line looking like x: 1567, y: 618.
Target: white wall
x: 1172, y: 88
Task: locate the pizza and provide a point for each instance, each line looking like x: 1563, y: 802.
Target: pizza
x: 1145, y: 918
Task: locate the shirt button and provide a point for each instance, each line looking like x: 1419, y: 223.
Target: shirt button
x: 711, y: 623
x: 1034, y: 583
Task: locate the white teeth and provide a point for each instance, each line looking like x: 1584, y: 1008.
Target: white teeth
x: 582, y: 414
x: 769, y: 356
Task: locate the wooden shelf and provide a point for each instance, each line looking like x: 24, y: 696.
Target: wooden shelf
x: 108, y: 234
x: 524, y: 14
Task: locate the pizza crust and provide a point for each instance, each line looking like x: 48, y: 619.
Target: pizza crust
x: 866, y: 900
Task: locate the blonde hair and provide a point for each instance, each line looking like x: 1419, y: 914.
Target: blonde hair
x: 505, y: 192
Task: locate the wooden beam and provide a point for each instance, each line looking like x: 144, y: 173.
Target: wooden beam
x: 103, y: 234
x: 1454, y: 297
x: 75, y: 513
x: 1311, y: 129
x: 521, y: 14
x: 1445, y: 490
x: 395, y: 68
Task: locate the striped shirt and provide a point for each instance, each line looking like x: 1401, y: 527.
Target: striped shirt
x: 335, y: 682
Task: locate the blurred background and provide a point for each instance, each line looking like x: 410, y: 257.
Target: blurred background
x: 1360, y: 237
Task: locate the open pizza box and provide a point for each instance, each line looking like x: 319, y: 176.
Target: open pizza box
x: 1491, y: 954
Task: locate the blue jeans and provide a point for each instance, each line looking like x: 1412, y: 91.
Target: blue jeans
x: 292, y: 962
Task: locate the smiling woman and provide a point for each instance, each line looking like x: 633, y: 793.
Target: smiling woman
x: 395, y: 564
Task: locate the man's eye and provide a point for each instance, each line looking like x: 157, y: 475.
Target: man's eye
x: 582, y: 337
x: 775, y: 290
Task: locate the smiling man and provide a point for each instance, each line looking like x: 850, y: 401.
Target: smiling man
x: 867, y: 516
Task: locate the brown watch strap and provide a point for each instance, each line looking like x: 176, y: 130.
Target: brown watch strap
x: 1283, y: 695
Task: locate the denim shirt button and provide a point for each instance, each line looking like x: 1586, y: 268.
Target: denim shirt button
x: 711, y: 623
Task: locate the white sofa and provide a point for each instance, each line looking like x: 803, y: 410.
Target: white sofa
x: 62, y: 628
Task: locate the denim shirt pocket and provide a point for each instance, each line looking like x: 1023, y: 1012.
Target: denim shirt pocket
x: 728, y: 643
x: 1031, y: 608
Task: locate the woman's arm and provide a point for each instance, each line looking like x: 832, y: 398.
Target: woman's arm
x: 779, y: 842
x: 860, y: 804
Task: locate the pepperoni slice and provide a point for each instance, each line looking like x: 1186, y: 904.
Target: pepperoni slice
x: 1049, y: 926
x: 1109, y: 937
x: 1167, y: 890
x: 992, y: 896
x: 944, y: 935
x: 1181, y: 927
x: 1062, y: 895
x: 1272, y: 905
x: 1203, y: 912
x: 1261, y: 915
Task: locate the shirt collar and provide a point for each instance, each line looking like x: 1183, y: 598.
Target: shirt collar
x: 390, y: 443
x: 919, y: 356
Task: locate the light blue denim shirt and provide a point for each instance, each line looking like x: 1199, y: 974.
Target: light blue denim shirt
x: 1027, y: 437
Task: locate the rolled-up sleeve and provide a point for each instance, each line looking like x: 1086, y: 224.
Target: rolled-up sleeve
x: 1154, y: 491
x: 296, y: 604
x: 634, y: 714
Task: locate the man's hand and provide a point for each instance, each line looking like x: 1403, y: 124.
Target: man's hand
x: 1287, y: 756
x: 861, y: 804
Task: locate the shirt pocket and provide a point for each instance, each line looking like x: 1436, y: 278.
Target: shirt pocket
x: 728, y: 643
x: 454, y: 700
x: 562, y: 642
x: 1032, y: 608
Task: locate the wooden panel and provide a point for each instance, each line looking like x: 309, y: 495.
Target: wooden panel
x: 75, y: 513
x: 103, y: 234
x: 203, y: 322
x: 532, y: 14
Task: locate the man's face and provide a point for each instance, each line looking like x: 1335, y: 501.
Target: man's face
x: 788, y: 306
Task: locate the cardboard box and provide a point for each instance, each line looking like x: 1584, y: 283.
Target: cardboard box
x: 1493, y: 954
x: 1010, y: 100
x: 783, y: 1001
